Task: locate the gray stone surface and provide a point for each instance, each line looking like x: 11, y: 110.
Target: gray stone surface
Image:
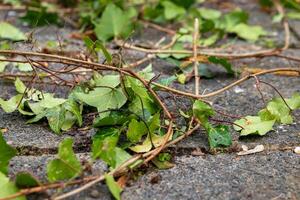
x: 260, y: 176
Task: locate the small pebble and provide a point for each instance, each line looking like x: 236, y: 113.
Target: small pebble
x: 95, y: 194
x: 237, y: 89
x: 297, y: 150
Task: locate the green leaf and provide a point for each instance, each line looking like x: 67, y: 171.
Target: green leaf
x: 20, y: 86
x: 56, y: 118
x: 50, y: 102
x: 104, y: 98
x: 11, y: 104
x: 202, y: 111
x: 280, y: 111
x: 207, y: 13
x: 294, y: 102
x: 6, y: 154
x: 8, y: 188
x: 26, y: 180
x: 66, y: 166
x: 69, y: 121
x: 10, y: 32
x: 219, y: 136
x: 120, y: 157
x: 136, y: 130
x: 24, y: 67
x: 114, y: 22
x: 104, y: 143
x: 253, y: 125
x: 100, y: 46
x: 223, y: 62
x: 73, y: 107
x: 40, y: 17
x: 162, y: 164
x: 293, y: 15
x: 232, y: 19
x: 107, y: 80
x: 251, y: 33
x: 114, y: 118
x: 113, y: 187
x: 171, y: 10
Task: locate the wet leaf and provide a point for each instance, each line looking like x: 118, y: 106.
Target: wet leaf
x: 253, y: 125
x: 113, y: 187
x: 6, y: 154
x: 114, y: 118
x: 66, y: 166
x: 8, y: 188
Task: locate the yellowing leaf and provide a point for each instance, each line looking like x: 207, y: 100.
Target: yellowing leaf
x: 146, y: 146
x: 253, y: 125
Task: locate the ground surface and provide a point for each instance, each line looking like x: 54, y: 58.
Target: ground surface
x: 271, y: 174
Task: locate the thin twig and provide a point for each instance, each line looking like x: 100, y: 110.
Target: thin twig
x: 195, y: 44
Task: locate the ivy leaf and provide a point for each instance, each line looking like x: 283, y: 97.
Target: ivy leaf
x: 6, y: 154
x: 114, y: 118
x: 50, y: 102
x: 11, y: 104
x: 207, y: 13
x: 26, y: 180
x: 223, y: 62
x: 232, y: 19
x: 146, y: 146
x: 69, y: 121
x: 107, y: 81
x: 96, y: 47
x: 24, y: 67
x: 280, y: 111
x: 10, y: 32
x: 250, y: 33
x: 104, y: 143
x: 202, y: 111
x: 113, y: 187
x: 253, y: 125
x: 219, y: 136
x: 104, y: 98
x: 171, y: 10
x: 136, y: 130
x: 56, y: 118
x: 66, y: 166
x: 8, y: 188
x: 294, y: 102
x: 73, y: 107
x: 20, y: 86
x: 114, y: 22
